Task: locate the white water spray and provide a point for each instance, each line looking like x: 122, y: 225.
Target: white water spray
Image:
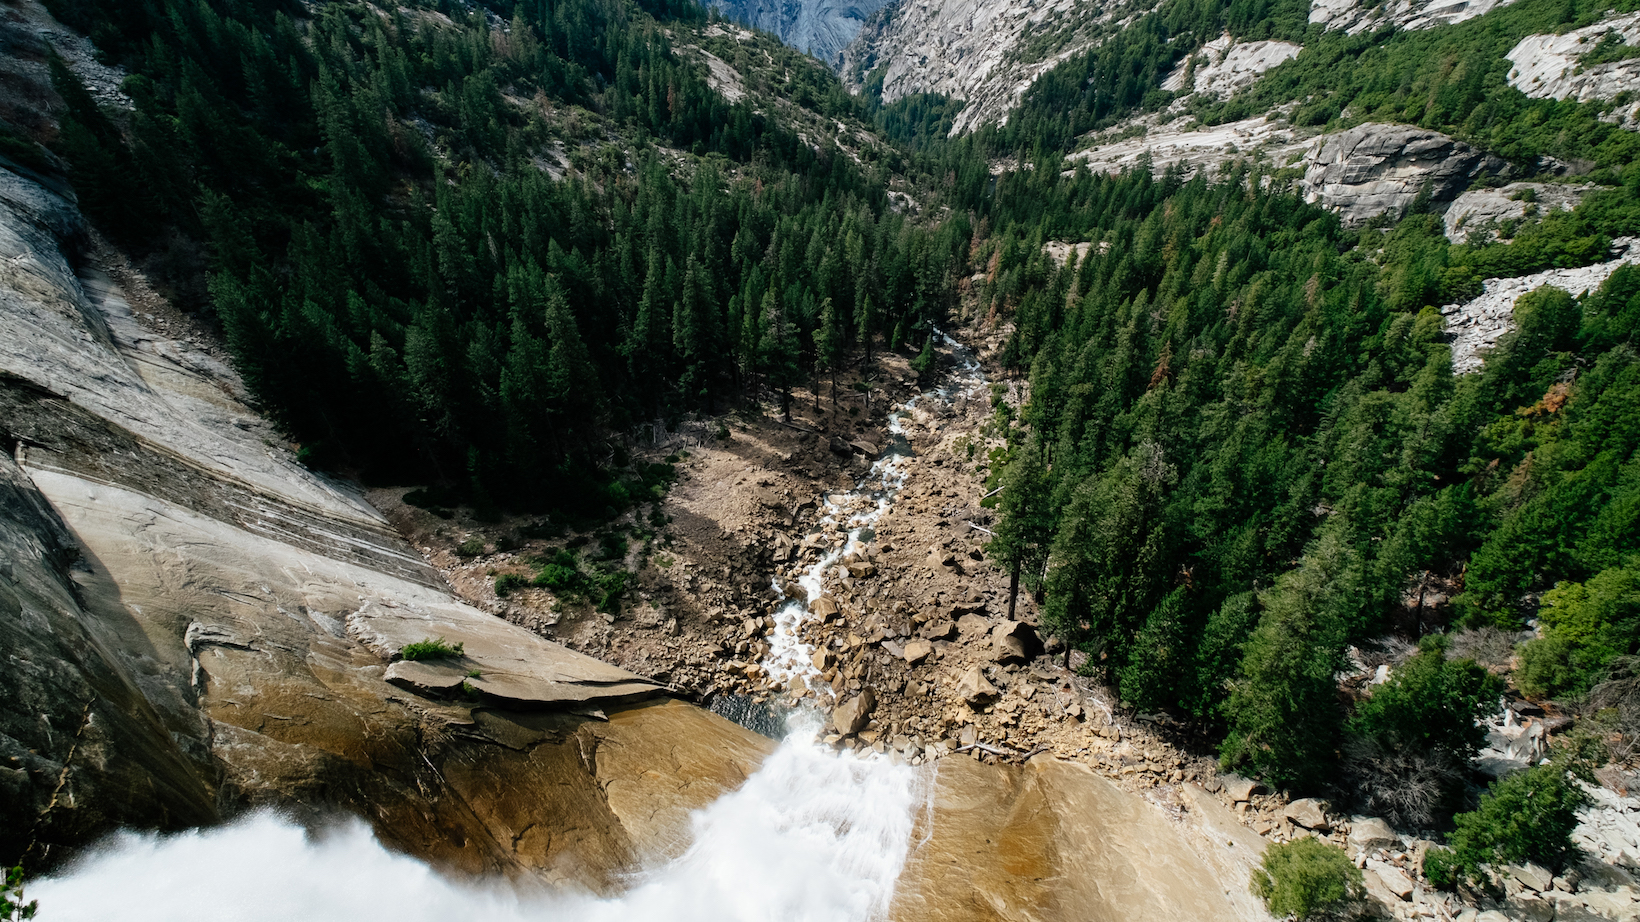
x: 811, y: 837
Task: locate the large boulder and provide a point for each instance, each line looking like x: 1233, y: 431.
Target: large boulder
x: 852, y: 715
x: 937, y: 629
x: 1015, y: 642
x: 917, y: 651
x: 1241, y: 789
x: 1374, y: 169
x: 1371, y: 832
x: 975, y: 690
x: 1309, y: 813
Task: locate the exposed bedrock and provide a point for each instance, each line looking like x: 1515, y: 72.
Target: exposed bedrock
x: 1373, y: 169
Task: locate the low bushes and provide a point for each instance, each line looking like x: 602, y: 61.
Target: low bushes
x: 1527, y: 816
x: 1308, y: 879
x: 431, y: 648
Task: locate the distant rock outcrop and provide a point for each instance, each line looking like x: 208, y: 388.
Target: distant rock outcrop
x: 1475, y: 326
x: 1372, y: 169
x: 1479, y: 208
x: 819, y: 27
x: 970, y: 49
x: 1224, y: 66
x: 1354, y: 16
x: 1551, y: 67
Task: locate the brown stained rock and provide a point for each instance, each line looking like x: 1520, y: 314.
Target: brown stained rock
x: 1052, y: 841
x: 1308, y: 813
x: 938, y: 629
x: 972, y: 625
x: 1241, y: 789
x: 1014, y: 642
x: 852, y: 715
x: 1371, y: 832
x: 975, y: 690
x: 916, y: 651
x: 825, y: 608
x: 1392, y: 884
x: 861, y: 569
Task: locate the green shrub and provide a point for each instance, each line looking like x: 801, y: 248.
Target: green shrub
x: 1527, y: 816
x: 507, y: 582
x: 12, y: 907
x: 1441, y: 868
x: 557, y: 577
x: 1546, y: 667
x: 472, y: 547
x: 1586, y: 626
x: 611, y: 587
x: 430, y: 648
x: 1431, y: 702
x: 1307, y: 879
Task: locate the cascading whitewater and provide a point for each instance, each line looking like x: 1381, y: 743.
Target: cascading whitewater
x: 789, y: 661
x: 813, y: 836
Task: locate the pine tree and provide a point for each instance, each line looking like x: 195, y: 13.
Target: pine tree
x: 779, y: 349
x: 1027, y: 527
x: 828, y: 348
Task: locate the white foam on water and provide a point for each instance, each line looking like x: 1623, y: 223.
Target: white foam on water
x: 813, y: 836
x: 790, y: 659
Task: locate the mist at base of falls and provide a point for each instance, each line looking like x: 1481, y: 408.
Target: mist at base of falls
x: 813, y: 836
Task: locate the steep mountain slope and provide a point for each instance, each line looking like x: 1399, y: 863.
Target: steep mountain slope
x: 984, y: 53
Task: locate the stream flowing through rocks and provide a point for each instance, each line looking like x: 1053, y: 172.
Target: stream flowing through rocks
x: 812, y: 836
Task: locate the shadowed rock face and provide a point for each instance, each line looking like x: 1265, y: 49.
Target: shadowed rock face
x: 195, y: 625
x: 1372, y: 169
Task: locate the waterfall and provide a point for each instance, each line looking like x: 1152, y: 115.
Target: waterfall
x: 813, y: 836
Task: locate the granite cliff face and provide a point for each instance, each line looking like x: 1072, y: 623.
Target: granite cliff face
x: 1551, y: 67
x: 820, y: 27
x: 971, y: 49
x: 1372, y: 169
